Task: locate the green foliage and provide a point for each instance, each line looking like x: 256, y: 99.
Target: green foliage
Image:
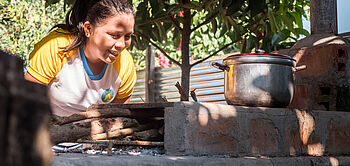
x: 261, y: 24
x: 207, y: 27
x: 257, y: 24
x: 156, y: 19
x: 24, y: 22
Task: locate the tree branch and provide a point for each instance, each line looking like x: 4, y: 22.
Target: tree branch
x: 206, y: 21
x: 160, y: 49
x: 151, y: 21
x: 175, y: 23
x: 183, y: 95
x: 193, y: 14
x: 222, y: 48
x: 205, y: 6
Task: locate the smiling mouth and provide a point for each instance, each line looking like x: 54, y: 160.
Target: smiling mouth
x: 114, y: 53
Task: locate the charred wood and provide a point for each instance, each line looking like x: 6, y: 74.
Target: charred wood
x: 106, y: 113
x: 123, y: 132
x: 149, y: 135
x: 73, y: 132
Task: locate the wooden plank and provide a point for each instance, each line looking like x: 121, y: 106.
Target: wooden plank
x: 108, y: 112
x: 149, y: 80
x: 124, y: 132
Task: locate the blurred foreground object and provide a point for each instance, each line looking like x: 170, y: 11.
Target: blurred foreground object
x: 24, y: 117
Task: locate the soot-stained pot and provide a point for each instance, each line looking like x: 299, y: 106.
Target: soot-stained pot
x: 259, y: 79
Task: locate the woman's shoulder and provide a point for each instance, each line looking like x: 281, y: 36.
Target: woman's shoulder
x: 55, y: 41
x: 59, y: 37
x: 124, y: 57
x: 124, y: 60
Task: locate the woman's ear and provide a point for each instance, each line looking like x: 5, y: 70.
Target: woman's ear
x: 87, y: 28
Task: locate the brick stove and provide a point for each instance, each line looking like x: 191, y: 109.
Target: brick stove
x: 325, y: 84
x: 213, y: 129
x: 207, y: 129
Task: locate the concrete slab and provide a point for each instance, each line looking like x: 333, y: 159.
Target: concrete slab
x: 77, y: 159
x: 193, y: 128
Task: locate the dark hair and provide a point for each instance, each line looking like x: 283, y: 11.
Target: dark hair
x: 94, y: 11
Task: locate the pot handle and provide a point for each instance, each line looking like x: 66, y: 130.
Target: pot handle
x: 220, y: 66
x: 299, y: 68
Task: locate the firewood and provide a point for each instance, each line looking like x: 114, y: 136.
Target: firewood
x: 110, y: 124
x: 161, y: 130
x: 68, y: 133
x: 73, y: 132
x: 104, y: 113
x: 123, y: 132
x: 148, y: 135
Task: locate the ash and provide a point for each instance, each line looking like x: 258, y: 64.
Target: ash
x: 124, y: 150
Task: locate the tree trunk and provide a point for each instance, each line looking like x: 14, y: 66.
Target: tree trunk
x: 149, y: 81
x: 185, y: 65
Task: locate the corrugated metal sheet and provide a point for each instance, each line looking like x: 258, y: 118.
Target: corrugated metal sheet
x: 207, y: 80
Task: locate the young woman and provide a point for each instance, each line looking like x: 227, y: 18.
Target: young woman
x: 85, y: 60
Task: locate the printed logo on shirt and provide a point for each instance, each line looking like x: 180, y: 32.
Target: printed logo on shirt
x: 107, y: 95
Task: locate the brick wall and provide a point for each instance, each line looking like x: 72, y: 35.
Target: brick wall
x: 213, y: 129
x: 324, y: 85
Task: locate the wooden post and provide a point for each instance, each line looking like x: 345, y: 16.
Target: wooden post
x: 24, y: 116
x: 3, y: 121
x: 150, y: 75
x: 323, y: 16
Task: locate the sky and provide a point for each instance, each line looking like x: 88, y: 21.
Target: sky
x: 343, y: 7
x: 343, y: 11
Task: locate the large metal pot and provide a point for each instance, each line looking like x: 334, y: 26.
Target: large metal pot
x: 259, y: 79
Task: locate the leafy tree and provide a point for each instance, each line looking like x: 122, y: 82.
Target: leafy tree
x: 200, y: 28
x: 24, y: 22
x: 245, y: 24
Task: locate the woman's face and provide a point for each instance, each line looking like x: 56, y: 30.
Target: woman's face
x: 108, y: 38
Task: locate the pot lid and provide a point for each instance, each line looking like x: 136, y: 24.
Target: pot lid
x: 259, y: 55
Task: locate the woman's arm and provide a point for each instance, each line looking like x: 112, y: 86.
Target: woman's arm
x: 29, y: 77
x: 122, y: 101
